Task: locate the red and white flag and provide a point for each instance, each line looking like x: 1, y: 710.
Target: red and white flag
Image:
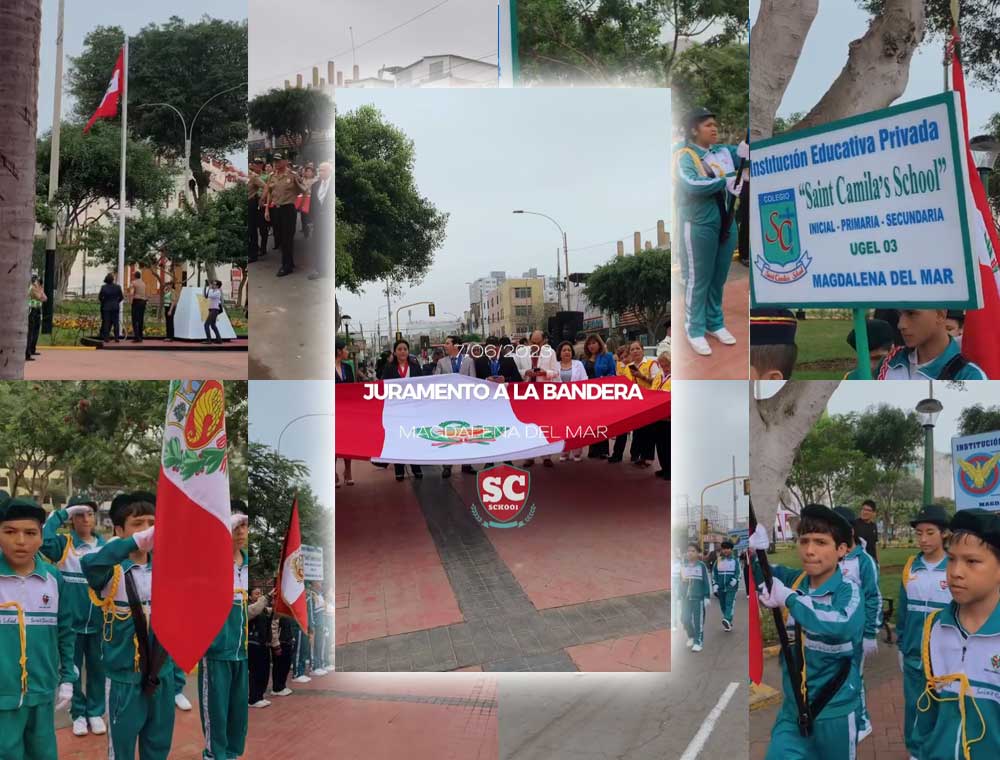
x: 290, y: 599
x: 108, y: 108
x: 487, y: 427
x: 193, y: 582
x: 981, y: 335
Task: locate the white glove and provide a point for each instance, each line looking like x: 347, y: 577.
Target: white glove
x: 732, y: 583
x: 759, y: 540
x: 871, y: 647
x: 777, y: 596
x: 899, y: 655
x: 79, y: 509
x: 236, y: 519
x: 715, y: 589
x: 65, y: 696
x: 734, y: 185
x: 743, y: 150
x: 144, y: 539
x: 708, y: 604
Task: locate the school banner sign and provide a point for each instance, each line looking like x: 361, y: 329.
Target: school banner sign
x: 869, y: 211
x: 312, y: 562
x: 975, y: 461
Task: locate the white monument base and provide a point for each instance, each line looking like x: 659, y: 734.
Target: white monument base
x: 190, y: 316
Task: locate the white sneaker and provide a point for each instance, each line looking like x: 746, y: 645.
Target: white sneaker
x: 562, y: 457
x: 80, y: 727
x: 182, y: 703
x: 283, y: 693
x: 723, y: 336
x: 700, y: 346
x: 696, y: 648
x: 317, y: 673
x: 261, y: 703
x: 690, y: 643
x: 97, y: 725
x: 301, y: 679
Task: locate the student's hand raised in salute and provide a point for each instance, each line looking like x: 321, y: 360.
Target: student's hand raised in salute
x: 79, y: 509
x: 144, y: 539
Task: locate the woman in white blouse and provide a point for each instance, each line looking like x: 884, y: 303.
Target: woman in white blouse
x: 570, y: 371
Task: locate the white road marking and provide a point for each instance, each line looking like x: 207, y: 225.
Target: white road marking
x: 698, y: 742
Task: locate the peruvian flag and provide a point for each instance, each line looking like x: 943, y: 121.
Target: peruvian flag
x: 981, y: 336
x: 193, y: 584
x: 486, y: 428
x: 290, y: 599
x: 108, y: 108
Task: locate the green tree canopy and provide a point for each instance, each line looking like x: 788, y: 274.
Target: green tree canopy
x: 827, y: 464
x: 979, y: 419
x: 180, y: 63
x: 385, y: 230
x: 293, y: 113
x: 715, y: 76
x: 639, y: 283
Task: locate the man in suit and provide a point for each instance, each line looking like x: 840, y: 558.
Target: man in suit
x: 460, y: 363
x: 321, y: 217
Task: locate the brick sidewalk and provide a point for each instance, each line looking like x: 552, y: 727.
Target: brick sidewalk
x: 94, y: 364
x: 726, y: 362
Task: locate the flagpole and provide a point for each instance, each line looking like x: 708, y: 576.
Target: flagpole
x: 49, y: 273
x: 121, y: 197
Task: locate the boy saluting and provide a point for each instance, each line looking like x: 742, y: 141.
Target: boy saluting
x: 140, y: 674
x: 36, y: 637
x: 958, y: 714
x: 826, y: 619
x: 65, y: 552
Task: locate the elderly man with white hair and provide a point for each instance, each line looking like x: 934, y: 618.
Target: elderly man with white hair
x: 321, y: 212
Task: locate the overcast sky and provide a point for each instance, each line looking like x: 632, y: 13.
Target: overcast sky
x: 855, y: 396
x: 274, y: 403
x: 295, y: 36
x: 82, y: 17
x: 825, y: 53
x: 710, y: 424
x: 594, y: 160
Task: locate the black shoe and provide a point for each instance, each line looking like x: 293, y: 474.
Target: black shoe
x: 399, y: 478
x: 592, y: 455
x: 219, y: 341
x: 467, y: 468
x: 29, y: 358
x: 36, y: 353
x: 284, y: 272
x: 418, y: 475
x: 446, y: 471
x: 614, y: 460
x: 662, y: 474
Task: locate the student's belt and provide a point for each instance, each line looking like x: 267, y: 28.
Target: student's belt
x: 151, y: 654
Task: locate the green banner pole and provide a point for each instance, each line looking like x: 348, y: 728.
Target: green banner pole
x: 861, y: 344
x: 515, y: 59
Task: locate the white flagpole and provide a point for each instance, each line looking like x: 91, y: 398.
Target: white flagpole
x: 121, y: 198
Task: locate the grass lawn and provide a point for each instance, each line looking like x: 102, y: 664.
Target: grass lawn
x: 891, y: 561
x: 823, y: 350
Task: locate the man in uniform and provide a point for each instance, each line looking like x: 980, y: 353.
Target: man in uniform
x: 255, y: 216
x: 36, y: 297
x: 283, y: 187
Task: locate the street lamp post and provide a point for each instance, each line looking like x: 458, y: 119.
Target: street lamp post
x: 564, y: 243
x: 928, y: 410
x: 346, y: 319
x: 985, y: 151
x: 293, y: 421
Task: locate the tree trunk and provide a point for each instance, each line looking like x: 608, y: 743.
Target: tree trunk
x: 20, y: 37
x: 878, y: 65
x: 777, y: 426
x: 776, y: 42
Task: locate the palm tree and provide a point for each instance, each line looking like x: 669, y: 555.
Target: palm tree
x: 20, y: 38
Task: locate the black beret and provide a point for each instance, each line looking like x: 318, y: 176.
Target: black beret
x: 772, y: 327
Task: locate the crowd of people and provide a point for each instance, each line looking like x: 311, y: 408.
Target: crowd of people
x: 77, y: 608
x: 283, y: 200
x: 280, y: 651
x: 534, y: 359
x: 947, y: 621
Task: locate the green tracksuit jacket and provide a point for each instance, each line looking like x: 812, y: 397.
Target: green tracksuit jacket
x: 65, y: 552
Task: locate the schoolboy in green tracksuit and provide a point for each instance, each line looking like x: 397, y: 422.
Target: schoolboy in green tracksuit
x: 958, y: 715
x: 827, y: 610
x: 726, y: 582
x: 705, y: 181
x: 859, y: 567
x: 696, y: 592
x: 36, y: 637
x: 923, y: 589
x: 65, y: 552
x: 223, y: 678
x: 134, y: 717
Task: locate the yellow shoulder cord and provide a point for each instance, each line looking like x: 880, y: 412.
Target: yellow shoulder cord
x: 694, y: 156
x: 246, y: 618
x: 66, y: 551
x: 107, y: 605
x: 933, y: 682
x: 802, y: 639
x: 906, y: 570
x: 23, y: 636
x: 135, y: 643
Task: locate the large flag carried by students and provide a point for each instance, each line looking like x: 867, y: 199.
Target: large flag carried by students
x: 290, y: 596
x: 479, y: 430
x: 108, y: 107
x: 981, y: 336
x: 193, y: 583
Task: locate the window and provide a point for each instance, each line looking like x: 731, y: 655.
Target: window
x: 522, y: 311
x: 522, y: 292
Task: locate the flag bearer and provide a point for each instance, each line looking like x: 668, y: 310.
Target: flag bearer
x: 696, y: 593
x: 958, y: 714
x: 725, y: 582
x: 705, y: 176
x: 825, y: 623
x: 223, y: 677
x: 66, y: 552
x: 139, y: 673
x: 923, y: 589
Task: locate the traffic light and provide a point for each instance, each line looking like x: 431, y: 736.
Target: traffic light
x: 430, y: 310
